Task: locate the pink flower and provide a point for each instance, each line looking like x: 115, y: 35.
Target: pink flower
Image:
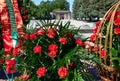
x: 52, y: 47
x: 52, y: 54
x: 63, y: 72
x: 103, y: 53
x: 41, y: 71
x: 37, y: 49
x: 79, y: 42
x: 63, y: 40
x: 116, y: 30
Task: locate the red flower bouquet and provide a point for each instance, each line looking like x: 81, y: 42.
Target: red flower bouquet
x: 50, y: 54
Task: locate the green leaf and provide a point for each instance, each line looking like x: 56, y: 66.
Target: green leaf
x: 113, y: 52
x: 116, y: 58
x: 67, y: 25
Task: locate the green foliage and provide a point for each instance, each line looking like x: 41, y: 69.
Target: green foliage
x: 115, y: 58
x: 26, y: 5
x: 60, y: 4
x: 76, y: 6
x: 43, y: 10
x: 91, y: 8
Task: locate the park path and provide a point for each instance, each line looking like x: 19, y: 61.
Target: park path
x: 73, y: 23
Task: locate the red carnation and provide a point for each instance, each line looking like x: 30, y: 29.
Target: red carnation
x: 25, y: 17
x: 117, y: 21
x: 116, y: 30
x: 37, y: 49
x: 26, y: 11
x: 103, y: 53
x: 41, y: 71
x: 26, y: 36
x: 25, y: 77
x: 51, y: 33
x: 71, y: 64
x: 32, y: 36
x: 96, y: 48
x: 52, y: 54
x: 52, y: 47
x: 63, y: 40
x: 79, y: 42
x: 98, y: 23
x: 69, y: 35
x: 93, y: 37
x: 62, y: 72
x: 117, y: 14
x: 40, y: 32
x: 94, y: 30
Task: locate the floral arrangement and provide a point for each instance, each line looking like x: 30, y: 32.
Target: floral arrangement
x: 106, y: 39
x: 51, y: 53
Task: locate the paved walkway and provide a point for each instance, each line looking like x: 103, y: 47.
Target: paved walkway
x: 74, y: 23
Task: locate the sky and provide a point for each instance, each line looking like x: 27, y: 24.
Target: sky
x: 38, y: 1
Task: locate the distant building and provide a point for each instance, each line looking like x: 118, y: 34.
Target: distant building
x: 62, y: 14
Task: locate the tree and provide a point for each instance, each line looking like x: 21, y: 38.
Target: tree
x: 99, y: 7
x: 76, y: 6
x: 91, y: 8
x: 60, y: 5
x: 46, y: 7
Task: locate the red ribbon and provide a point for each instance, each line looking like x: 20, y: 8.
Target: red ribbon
x: 6, y: 29
x: 19, y: 21
x: 18, y: 18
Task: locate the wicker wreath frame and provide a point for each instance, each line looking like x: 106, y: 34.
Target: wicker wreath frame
x: 106, y: 41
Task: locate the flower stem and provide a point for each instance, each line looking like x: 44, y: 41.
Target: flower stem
x: 38, y: 41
